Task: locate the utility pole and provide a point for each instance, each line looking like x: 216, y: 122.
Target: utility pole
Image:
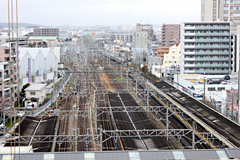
x: 121, y: 68
x: 238, y: 114
x: 193, y: 135
x: 127, y: 79
x: 160, y: 77
x: 204, y: 85
x: 232, y: 104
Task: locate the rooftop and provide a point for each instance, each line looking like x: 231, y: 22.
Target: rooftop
x: 35, y: 87
x: 43, y: 37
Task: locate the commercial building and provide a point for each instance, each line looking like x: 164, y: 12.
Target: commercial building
x: 206, y: 48
x: 46, y: 32
x: 37, y: 65
x: 222, y: 10
x: 170, y: 34
x: 173, y: 56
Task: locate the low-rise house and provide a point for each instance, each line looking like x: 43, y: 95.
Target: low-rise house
x: 35, y: 93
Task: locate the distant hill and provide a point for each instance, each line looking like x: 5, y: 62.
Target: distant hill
x: 3, y: 25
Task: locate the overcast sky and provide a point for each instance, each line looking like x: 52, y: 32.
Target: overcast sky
x: 104, y: 12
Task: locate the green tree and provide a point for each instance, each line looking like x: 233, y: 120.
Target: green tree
x: 34, y: 44
x: 23, y: 89
x: 145, y: 69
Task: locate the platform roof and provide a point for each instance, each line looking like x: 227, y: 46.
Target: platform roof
x: 135, y: 155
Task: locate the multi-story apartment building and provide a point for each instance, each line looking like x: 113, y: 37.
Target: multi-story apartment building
x: 170, y: 34
x: 123, y: 37
x: 222, y: 10
x: 46, y: 32
x: 206, y: 48
x: 8, y: 71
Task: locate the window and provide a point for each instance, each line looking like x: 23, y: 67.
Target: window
x: 173, y: 57
x: 225, y: 8
x: 173, y: 51
x: 236, y: 14
x: 236, y: 21
x: 221, y: 88
x: 211, y: 89
x: 32, y: 93
x: 236, y: 8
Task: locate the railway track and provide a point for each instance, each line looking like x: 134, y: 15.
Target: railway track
x: 135, y: 121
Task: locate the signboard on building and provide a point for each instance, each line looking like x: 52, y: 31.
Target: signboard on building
x: 41, y: 72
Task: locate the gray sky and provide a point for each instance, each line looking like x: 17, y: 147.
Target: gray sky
x: 104, y: 12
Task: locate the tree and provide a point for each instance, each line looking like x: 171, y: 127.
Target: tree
x: 145, y: 69
x: 34, y: 44
x: 23, y: 89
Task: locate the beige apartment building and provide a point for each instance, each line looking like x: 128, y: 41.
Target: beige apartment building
x: 222, y: 10
x: 170, y: 34
x: 173, y: 57
x: 140, y: 37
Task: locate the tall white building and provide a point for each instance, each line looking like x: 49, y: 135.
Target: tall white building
x: 206, y: 48
x: 222, y: 10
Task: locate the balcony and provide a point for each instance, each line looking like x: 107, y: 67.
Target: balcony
x: 212, y: 46
x: 189, y: 34
x: 189, y: 46
x: 211, y: 65
x: 211, y: 40
x: 189, y: 59
x: 212, y: 34
x: 189, y: 40
x: 6, y: 76
x: 189, y: 53
x: 209, y: 27
x: 13, y: 54
x: 189, y: 71
x: 6, y: 95
x: 212, y: 59
x: 187, y: 28
x: 189, y: 65
x: 213, y: 71
x: 212, y: 53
